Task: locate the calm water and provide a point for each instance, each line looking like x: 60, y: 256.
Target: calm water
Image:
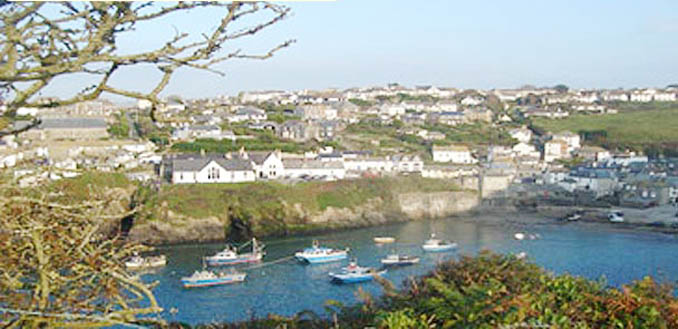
x: 288, y: 287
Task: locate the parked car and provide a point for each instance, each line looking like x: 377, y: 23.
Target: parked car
x: 615, y: 216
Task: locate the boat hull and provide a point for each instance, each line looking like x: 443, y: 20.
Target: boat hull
x: 187, y: 283
x: 339, y: 278
x: 439, y: 248
x: 384, y: 240
x: 386, y: 262
x: 321, y: 259
x: 236, y: 261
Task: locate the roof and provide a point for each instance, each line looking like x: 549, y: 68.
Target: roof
x: 72, y: 123
x: 312, y: 164
x: 458, y: 148
x: 197, y: 164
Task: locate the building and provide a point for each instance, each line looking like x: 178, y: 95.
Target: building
x: 573, y: 140
x: 266, y: 165
x: 555, y: 149
x: 295, y: 130
x: 303, y: 168
x: 407, y: 163
x: 452, y: 153
x: 523, y: 134
x: 211, y: 169
x: 248, y: 113
x: 68, y: 128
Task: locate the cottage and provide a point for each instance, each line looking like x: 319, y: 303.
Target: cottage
x: 573, y: 140
x: 522, y: 134
x: 267, y: 165
x: 555, y: 149
x: 373, y: 164
x: 452, y: 153
x: 211, y: 169
x: 248, y: 113
x: 407, y: 163
x: 301, y: 168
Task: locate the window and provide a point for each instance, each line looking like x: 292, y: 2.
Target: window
x: 213, y: 173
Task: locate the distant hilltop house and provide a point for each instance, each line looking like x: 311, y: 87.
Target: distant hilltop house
x: 453, y: 154
x: 248, y: 113
x: 67, y: 128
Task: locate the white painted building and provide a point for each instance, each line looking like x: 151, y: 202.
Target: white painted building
x: 573, y: 140
x: 452, y: 153
x: 555, y: 149
x: 267, y: 165
x: 329, y: 170
x: 523, y: 134
x: 211, y: 170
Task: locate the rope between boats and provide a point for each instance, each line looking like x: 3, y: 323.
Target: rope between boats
x: 269, y: 263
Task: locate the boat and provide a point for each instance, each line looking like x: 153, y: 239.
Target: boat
x: 433, y: 244
x: 519, y: 236
x: 399, y: 260
x: 354, y: 273
x: 137, y: 262
x: 208, y: 278
x: 615, y: 216
x: 521, y: 255
x: 573, y: 216
x: 318, y: 254
x: 384, y: 239
x: 230, y: 256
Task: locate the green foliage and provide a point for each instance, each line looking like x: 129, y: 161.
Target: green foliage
x: 120, y: 128
x: 265, y: 141
x: 360, y: 102
x: 646, y: 130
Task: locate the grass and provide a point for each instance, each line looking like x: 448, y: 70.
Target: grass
x: 638, y: 130
x: 79, y: 187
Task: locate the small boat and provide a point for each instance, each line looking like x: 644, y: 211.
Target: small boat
x: 433, y: 244
x: 354, y: 273
x: 384, y: 239
x: 318, y: 254
x: 230, y: 256
x: 615, y: 217
x: 519, y: 236
x: 209, y: 278
x: 399, y: 260
x: 137, y: 262
x: 573, y: 216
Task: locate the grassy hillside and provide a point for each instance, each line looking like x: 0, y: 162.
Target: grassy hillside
x: 639, y: 130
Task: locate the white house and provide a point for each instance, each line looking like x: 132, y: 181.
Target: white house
x: 248, y: 113
x: 407, y: 163
x: 446, y: 171
x: 573, y: 140
x: 452, y: 153
x: 297, y: 168
x: 368, y: 164
x: 471, y: 101
x: 211, y: 170
x: 555, y: 149
x: 267, y: 165
x: 523, y: 134
x: 524, y: 149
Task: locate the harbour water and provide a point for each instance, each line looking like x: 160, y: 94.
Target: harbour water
x: 288, y: 287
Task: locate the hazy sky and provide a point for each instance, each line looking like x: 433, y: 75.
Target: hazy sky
x: 464, y: 44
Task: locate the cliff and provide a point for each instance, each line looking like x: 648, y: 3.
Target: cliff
x: 190, y: 214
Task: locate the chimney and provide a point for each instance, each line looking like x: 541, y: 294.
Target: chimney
x: 202, y: 152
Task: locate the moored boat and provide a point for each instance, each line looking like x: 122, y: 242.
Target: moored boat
x: 209, y: 278
x: 434, y: 244
x: 318, y: 254
x: 399, y: 260
x: 230, y: 256
x: 384, y: 239
x: 137, y: 262
x: 354, y: 274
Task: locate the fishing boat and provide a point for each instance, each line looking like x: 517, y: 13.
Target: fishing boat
x: 519, y: 236
x: 354, y: 273
x: 137, y: 262
x: 434, y: 244
x: 318, y: 254
x: 399, y: 260
x: 230, y: 256
x: 384, y: 239
x: 208, y: 278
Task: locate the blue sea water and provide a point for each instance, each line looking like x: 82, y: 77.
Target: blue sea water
x: 287, y: 287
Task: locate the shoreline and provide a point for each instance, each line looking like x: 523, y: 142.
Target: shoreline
x: 594, y: 218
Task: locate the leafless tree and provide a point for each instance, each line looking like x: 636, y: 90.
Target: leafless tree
x: 41, y: 41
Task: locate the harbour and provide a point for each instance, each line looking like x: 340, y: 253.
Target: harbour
x: 290, y: 286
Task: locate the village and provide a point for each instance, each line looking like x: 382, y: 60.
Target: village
x: 480, y: 140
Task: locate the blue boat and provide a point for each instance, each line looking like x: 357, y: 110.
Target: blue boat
x: 209, y: 278
x: 354, y: 274
x: 317, y: 254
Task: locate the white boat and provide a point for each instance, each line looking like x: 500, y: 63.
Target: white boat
x: 519, y: 236
x: 384, y: 239
x: 138, y: 262
x: 209, y: 278
x: 396, y: 259
x: 354, y: 273
x: 318, y: 254
x: 615, y: 216
x: 433, y: 244
x: 230, y: 256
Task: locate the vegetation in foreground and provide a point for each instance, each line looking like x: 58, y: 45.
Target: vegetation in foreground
x: 652, y: 130
x: 495, y: 291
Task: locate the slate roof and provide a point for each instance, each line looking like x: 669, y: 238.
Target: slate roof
x: 72, y: 123
x: 197, y: 164
x: 312, y: 164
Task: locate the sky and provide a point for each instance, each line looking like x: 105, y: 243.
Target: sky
x: 465, y: 44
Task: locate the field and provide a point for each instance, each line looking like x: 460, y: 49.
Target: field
x: 649, y: 130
